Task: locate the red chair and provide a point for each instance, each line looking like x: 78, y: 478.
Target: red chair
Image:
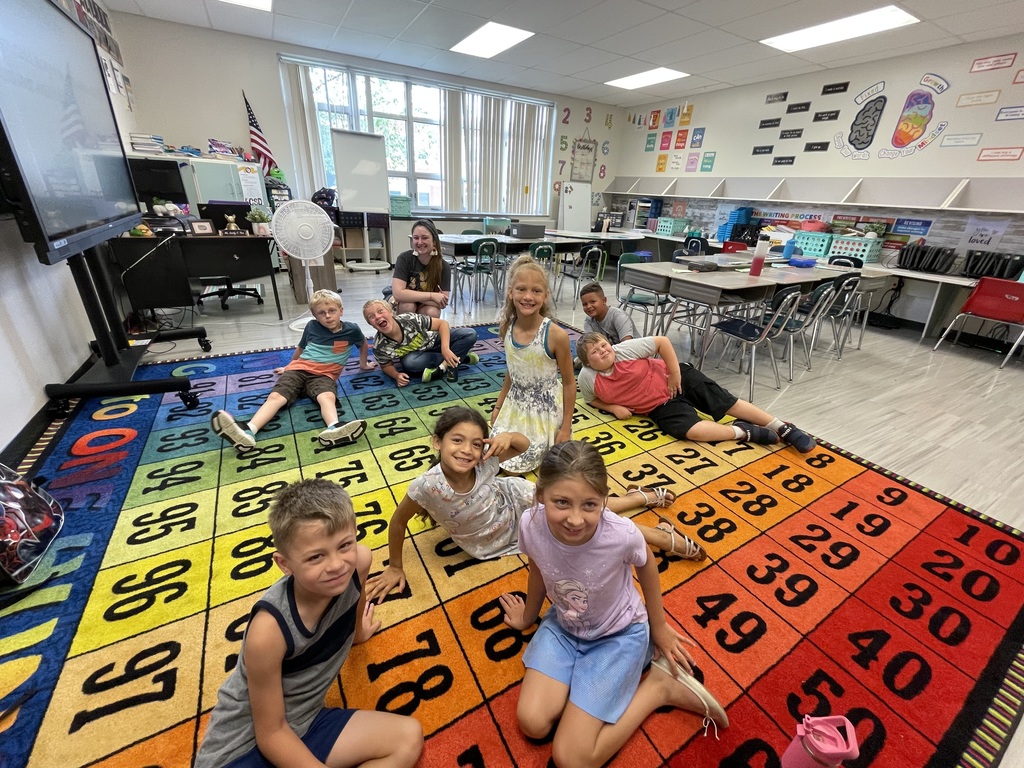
x: 1001, y: 301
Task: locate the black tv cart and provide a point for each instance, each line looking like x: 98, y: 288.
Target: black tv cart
x: 114, y: 358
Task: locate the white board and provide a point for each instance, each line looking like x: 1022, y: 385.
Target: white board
x: 360, y: 165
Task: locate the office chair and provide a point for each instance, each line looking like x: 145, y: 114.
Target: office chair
x: 992, y: 299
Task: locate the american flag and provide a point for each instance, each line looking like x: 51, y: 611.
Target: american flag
x: 72, y: 128
x: 259, y: 142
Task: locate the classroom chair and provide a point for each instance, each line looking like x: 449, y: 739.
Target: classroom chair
x: 993, y: 298
x: 654, y: 306
x: 583, y: 268
x: 759, y: 333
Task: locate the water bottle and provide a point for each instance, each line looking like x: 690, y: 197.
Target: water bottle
x: 819, y: 744
x: 760, y: 251
x: 787, y: 252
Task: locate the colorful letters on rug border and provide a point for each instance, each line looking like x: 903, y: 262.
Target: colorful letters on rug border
x: 832, y: 587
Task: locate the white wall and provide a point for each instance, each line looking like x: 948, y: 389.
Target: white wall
x: 730, y: 119
x: 44, y: 333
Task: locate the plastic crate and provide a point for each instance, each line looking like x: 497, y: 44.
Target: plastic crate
x: 666, y: 226
x: 401, y: 206
x: 866, y: 248
x: 814, y: 243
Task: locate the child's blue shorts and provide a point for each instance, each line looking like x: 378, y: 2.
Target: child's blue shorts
x: 320, y: 738
x: 602, y: 674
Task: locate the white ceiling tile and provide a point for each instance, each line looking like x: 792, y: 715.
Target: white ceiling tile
x: 715, y: 13
x: 321, y: 11
x: 440, y: 28
x: 770, y: 68
x: 387, y: 18
x: 541, y: 15
x: 409, y: 54
x: 1011, y: 28
x: 973, y: 18
x: 883, y: 42
x: 714, y: 45
x: 613, y: 70
x: 123, y: 6
x: 192, y: 12
x: 303, y: 31
x: 241, y: 21
x: 451, y: 63
x: 661, y: 30
x: 494, y: 71
x: 604, y: 20
x: 358, y: 43
x: 482, y: 8
x: 534, y: 50
x: 579, y: 59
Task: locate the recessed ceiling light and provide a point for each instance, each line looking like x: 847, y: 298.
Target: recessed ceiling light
x: 869, y: 23
x: 259, y: 5
x: 490, y: 40
x: 651, y: 77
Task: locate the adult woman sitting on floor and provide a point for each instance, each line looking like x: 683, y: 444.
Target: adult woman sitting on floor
x: 422, y: 280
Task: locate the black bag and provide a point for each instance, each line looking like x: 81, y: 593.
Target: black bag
x: 325, y: 197
x: 29, y: 520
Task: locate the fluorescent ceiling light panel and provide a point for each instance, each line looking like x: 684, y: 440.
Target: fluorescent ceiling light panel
x: 869, y: 23
x: 259, y: 5
x: 490, y: 40
x: 651, y: 77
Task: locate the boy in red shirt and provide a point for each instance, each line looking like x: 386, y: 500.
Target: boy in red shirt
x: 643, y: 376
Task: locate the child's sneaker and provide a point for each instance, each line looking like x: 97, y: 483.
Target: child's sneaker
x: 225, y: 426
x: 430, y: 374
x: 343, y: 434
x: 472, y: 358
x: 796, y: 437
x: 756, y: 434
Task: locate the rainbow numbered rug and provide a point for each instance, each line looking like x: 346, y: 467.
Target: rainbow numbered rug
x: 833, y: 588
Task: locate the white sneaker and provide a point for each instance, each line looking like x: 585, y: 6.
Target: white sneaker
x: 225, y: 426
x: 344, y: 434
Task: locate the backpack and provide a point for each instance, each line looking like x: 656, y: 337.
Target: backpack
x: 29, y: 520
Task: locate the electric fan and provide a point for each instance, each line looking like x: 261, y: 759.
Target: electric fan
x: 304, y: 231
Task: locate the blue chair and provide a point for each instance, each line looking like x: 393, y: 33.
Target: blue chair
x: 758, y: 333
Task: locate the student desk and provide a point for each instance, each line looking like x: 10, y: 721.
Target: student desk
x: 163, y: 273
x: 462, y: 245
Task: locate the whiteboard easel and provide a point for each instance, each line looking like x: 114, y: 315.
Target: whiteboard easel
x: 574, y: 207
x: 361, y: 169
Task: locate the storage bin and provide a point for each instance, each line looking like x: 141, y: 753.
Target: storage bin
x: 645, y: 255
x: 866, y: 248
x: 665, y: 226
x: 813, y: 243
x: 401, y: 206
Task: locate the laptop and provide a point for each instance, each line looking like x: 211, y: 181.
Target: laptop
x: 218, y: 210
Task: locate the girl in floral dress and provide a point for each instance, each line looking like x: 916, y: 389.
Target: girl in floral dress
x: 532, y: 401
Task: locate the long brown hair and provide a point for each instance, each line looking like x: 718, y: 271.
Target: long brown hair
x: 436, y: 265
x: 573, y: 458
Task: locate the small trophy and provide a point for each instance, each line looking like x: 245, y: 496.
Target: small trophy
x: 231, y: 228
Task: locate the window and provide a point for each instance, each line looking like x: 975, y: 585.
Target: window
x: 448, y: 149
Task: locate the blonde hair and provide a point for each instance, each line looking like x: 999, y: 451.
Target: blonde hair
x: 309, y: 501
x: 507, y: 314
x: 324, y: 296
x: 371, y: 302
x: 585, y: 342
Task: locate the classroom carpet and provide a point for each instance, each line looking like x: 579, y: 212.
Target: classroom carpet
x: 833, y: 587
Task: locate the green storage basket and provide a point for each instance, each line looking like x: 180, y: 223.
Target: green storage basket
x: 401, y: 206
x: 665, y: 224
x: 813, y: 243
x: 866, y: 248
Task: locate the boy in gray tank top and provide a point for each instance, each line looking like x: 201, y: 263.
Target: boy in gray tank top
x: 270, y: 711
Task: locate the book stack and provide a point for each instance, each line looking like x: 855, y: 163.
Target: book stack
x: 147, y: 142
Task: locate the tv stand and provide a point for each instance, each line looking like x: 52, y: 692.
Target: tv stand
x: 114, y: 359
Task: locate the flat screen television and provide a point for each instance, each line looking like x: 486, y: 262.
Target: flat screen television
x: 63, y: 170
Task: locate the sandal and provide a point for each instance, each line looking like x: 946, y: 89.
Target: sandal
x: 713, y: 712
x: 663, y: 497
x: 688, y: 548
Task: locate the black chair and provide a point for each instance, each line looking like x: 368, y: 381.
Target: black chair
x: 756, y: 333
x: 582, y: 269
x: 655, y: 306
x: 840, y: 311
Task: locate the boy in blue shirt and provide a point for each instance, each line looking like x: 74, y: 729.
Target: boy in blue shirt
x: 314, y: 369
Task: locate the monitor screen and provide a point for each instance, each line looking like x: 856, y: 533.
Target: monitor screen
x: 62, y: 167
x: 218, y: 211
